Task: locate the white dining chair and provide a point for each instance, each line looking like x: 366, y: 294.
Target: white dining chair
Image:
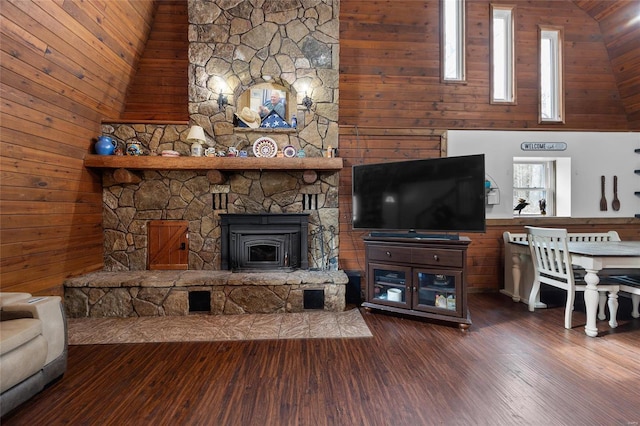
x: 552, y: 266
x: 630, y: 285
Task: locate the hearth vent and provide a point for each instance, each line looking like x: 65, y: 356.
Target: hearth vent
x: 310, y: 201
x: 313, y: 299
x: 199, y: 301
x: 219, y: 200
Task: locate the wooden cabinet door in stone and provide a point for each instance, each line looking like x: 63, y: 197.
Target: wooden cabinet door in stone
x: 168, y: 244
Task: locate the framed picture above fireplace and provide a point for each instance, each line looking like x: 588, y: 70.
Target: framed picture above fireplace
x: 263, y: 97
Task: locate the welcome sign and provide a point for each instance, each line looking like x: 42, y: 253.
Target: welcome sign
x: 543, y: 146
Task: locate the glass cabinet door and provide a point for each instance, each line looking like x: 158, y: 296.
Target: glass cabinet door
x: 391, y: 285
x: 438, y: 291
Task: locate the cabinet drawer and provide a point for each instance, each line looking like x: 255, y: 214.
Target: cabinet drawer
x: 437, y: 257
x: 390, y: 254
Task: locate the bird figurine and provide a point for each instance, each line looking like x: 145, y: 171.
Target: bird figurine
x: 543, y: 206
x: 522, y: 203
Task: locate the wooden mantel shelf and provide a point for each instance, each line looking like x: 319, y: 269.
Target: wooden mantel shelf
x: 211, y: 163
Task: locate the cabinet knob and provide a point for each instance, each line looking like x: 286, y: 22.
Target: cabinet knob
x: 435, y: 257
x: 388, y: 254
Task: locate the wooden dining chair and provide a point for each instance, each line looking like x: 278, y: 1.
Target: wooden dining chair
x: 552, y: 266
x: 630, y: 286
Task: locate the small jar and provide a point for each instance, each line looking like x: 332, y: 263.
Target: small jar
x: 196, y: 149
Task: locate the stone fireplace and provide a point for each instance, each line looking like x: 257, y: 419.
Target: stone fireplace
x: 263, y: 242
x: 235, y: 45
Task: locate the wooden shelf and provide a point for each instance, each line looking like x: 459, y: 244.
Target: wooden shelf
x: 211, y: 163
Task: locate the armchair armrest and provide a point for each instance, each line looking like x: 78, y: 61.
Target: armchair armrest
x: 49, y: 310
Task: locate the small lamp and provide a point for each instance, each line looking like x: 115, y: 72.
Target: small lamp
x: 307, y: 102
x: 196, y: 137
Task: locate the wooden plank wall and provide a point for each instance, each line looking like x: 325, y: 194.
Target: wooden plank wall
x: 65, y: 65
x: 390, y: 69
x: 374, y: 145
x: 160, y: 89
x: 390, y: 85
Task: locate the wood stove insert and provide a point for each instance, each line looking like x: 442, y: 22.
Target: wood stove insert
x: 264, y: 241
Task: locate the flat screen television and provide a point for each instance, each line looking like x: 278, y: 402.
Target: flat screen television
x: 436, y: 196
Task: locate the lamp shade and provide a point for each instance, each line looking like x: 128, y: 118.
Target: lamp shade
x: 196, y: 134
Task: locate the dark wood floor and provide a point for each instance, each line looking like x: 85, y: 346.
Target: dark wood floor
x: 511, y: 368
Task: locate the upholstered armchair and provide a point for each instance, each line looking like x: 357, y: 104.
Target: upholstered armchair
x: 33, y: 346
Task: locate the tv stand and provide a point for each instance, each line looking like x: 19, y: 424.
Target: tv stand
x: 421, y: 278
x: 416, y: 235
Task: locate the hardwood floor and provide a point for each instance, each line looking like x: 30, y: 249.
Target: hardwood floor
x: 512, y: 367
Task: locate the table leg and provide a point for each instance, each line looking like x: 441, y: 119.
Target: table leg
x: 591, y: 301
x: 517, y: 260
x: 613, y: 309
x: 515, y: 271
x: 635, y: 304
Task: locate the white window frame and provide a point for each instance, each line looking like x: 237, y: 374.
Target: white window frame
x: 502, y: 52
x: 550, y: 56
x: 452, y: 47
x: 558, y: 185
x: 549, y: 187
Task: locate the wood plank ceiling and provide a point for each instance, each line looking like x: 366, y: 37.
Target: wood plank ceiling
x: 620, y: 27
x: 160, y: 89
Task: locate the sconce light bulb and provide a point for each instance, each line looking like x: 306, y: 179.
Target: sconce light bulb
x: 307, y: 102
x: 222, y: 101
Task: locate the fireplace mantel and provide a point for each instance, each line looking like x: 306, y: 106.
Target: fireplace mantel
x: 211, y: 163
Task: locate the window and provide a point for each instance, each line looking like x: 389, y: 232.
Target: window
x: 453, y: 40
x: 502, y: 55
x: 534, y: 181
x: 551, y: 91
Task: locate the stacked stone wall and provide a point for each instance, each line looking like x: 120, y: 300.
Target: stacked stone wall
x: 235, y: 45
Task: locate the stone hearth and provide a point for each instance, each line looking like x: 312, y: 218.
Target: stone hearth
x: 166, y: 293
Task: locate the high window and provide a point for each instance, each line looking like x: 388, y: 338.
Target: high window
x: 502, y: 55
x: 453, y: 64
x: 551, y: 90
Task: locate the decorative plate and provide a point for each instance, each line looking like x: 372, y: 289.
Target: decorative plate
x: 289, y: 151
x: 265, y: 147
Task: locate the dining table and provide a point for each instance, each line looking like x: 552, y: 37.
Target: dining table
x: 593, y: 257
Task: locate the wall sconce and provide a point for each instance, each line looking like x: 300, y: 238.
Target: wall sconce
x: 196, y: 137
x: 307, y: 102
x: 223, y: 101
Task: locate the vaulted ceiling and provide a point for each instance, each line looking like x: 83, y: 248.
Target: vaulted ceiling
x: 620, y: 27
